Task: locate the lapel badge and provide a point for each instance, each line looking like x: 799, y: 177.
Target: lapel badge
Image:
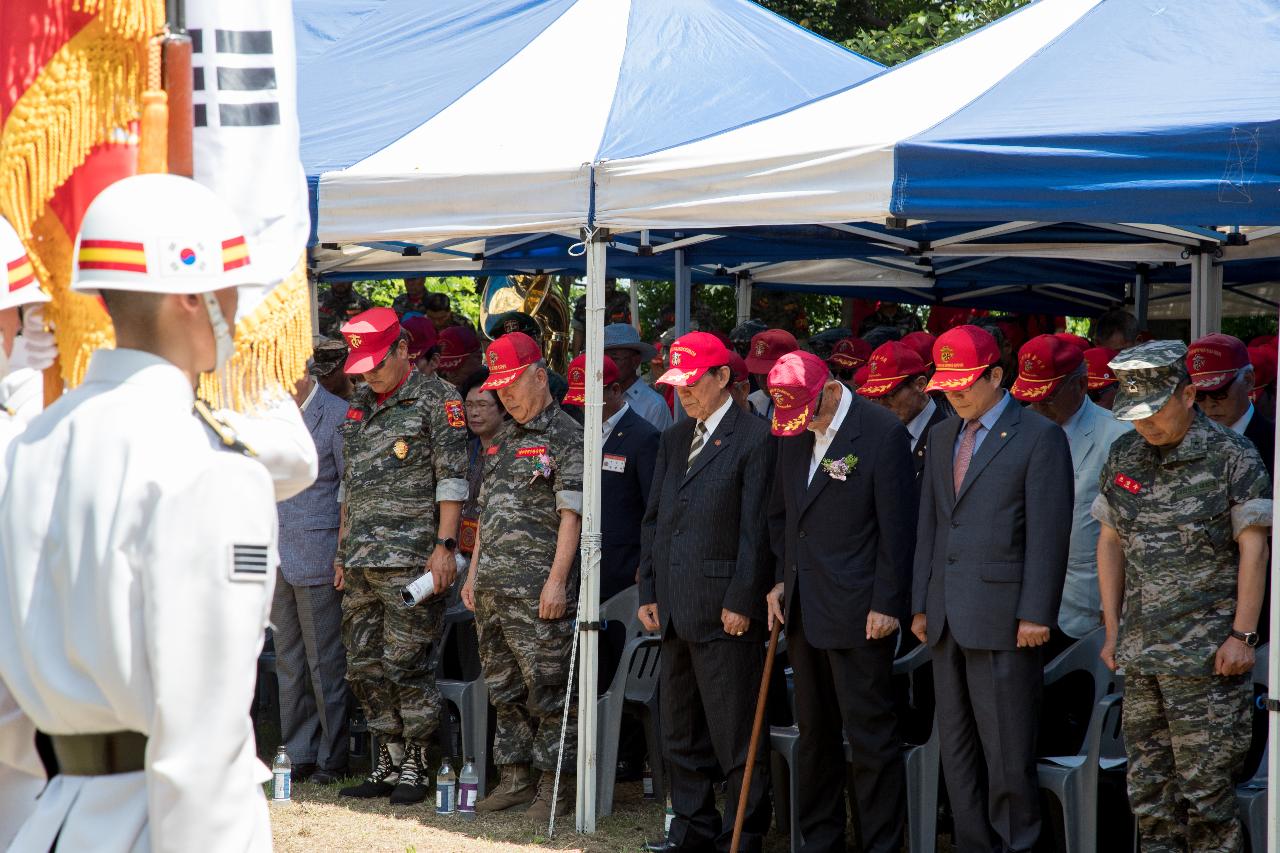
x: 1004, y: 435
x: 716, y: 442
x: 401, y: 448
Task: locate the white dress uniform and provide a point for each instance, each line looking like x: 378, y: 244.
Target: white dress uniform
x: 22, y: 775
x: 137, y: 559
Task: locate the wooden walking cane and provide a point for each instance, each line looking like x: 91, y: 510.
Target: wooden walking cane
x: 763, y: 700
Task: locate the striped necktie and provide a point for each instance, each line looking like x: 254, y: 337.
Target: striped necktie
x: 699, y: 436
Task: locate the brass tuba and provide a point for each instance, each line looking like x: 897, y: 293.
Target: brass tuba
x: 539, y: 298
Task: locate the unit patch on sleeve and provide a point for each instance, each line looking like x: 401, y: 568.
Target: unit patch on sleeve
x: 249, y: 563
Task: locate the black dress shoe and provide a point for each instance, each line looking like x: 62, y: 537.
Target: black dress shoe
x: 663, y: 846
x: 324, y: 777
x: 303, y: 772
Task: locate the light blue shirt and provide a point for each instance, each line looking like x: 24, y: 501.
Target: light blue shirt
x: 987, y: 421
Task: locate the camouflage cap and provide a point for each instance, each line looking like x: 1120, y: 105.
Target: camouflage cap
x: 1147, y: 375
x: 327, y: 355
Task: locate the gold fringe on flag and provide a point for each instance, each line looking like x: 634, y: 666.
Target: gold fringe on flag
x: 87, y: 94
x: 273, y: 344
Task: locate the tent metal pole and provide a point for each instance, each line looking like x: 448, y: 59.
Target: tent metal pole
x: 744, y: 297
x: 684, y: 295
x: 1197, y: 298
x: 1213, y: 277
x: 1142, y: 295
x: 634, y: 294
x: 593, y: 424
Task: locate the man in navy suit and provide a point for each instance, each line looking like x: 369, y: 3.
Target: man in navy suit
x: 841, y: 523
x: 306, y: 609
x: 991, y: 555
x: 630, y: 452
x: 705, y: 569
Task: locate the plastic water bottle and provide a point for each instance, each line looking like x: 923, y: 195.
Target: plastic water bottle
x: 468, y: 786
x: 281, y: 778
x: 446, y: 789
x: 647, y: 781
x: 666, y: 821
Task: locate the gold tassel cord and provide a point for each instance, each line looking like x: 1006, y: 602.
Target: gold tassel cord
x: 87, y: 94
x: 273, y: 344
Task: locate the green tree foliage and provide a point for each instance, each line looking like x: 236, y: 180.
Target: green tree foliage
x: 462, y: 293
x: 892, y: 31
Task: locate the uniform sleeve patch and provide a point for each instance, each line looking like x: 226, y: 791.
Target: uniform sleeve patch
x: 354, y: 414
x: 1129, y: 484
x: 453, y: 413
x: 249, y: 563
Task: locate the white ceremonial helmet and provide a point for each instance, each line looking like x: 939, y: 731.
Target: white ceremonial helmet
x: 22, y: 287
x: 163, y: 234
x: 160, y: 234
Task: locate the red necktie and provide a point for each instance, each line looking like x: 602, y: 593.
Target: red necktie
x: 965, y: 454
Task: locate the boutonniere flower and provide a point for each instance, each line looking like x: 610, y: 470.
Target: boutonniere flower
x: 839, y: 469
x: 544, y: 466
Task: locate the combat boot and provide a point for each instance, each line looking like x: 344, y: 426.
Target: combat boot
x: 540, y: 810
x: 414, y: 781
x: 384, y: 776
x: 516, y: 789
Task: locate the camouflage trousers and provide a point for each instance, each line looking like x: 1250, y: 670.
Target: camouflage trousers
x: 391, y: 653
x: 1186, y: 737
x: 526, y: 670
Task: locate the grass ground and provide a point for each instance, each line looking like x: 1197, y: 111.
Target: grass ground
x: 319, y: 820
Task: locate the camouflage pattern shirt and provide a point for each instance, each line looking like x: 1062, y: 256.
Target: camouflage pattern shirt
x: 402, y: 457
x: 334, y: 310
x: 531, y: 472
x: 1178, y: 513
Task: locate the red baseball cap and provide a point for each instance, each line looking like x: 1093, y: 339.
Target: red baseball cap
x: 691, y: 356
x: 889, y: 366
x: 370, y: 335
x: 1263, y: 359
x: 795, y: 382
x: 860, y: 377
x: 1214, y: 360
x: 577, y: 393
x: 1074, y: 340
x: 850, y: 353
x: 422, y: 335
x: 1264, y: 341
x: 508, y: 357
x: 456, y: 343
x: 1097, y: 363
x: 1043, y: 362
x: 767, y: 347
x: 962, y: 354
x: 922, y: 343
x: 738, y: 367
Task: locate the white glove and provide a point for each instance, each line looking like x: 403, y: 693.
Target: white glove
x: 41, y: 347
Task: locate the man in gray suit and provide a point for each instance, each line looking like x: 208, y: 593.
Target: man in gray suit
x: 991, y: 554
x: 1053, y: 381
x: 311, y: 663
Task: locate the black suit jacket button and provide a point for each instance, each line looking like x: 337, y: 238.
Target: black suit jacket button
x: 951, y: 559
x: 954, y: 525
x: 801, y: 534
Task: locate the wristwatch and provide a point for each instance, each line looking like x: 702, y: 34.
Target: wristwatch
x: 1250, y: 639
x: 452, y: 545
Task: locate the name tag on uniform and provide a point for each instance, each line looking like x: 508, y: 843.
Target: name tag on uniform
x: 527, y: 452
x: 615, y: 463
x: 1129, y: 484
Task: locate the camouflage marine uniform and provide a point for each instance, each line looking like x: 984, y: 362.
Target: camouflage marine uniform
x: 525, y: 658
x: 1178, y: 513
x: 337, y: 308
x: 403, y: 456
x: 403, y: 304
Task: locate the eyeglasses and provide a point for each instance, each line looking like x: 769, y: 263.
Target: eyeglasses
x: 1219, y: 395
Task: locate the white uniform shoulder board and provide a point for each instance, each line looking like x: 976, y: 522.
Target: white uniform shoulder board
x: 249, y: 563
x: 220, y: 428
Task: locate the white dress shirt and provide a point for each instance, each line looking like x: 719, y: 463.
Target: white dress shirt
x: 1243, y: 424
x: 917, y: 424
x: 611, y: 423
x: 714, y: 419
x: 822, y: 440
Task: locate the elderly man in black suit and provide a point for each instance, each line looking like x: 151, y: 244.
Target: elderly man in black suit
x: 705, y: 568
x: 991, y: 556
x: 841, y: 522
x: 896, y: 379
